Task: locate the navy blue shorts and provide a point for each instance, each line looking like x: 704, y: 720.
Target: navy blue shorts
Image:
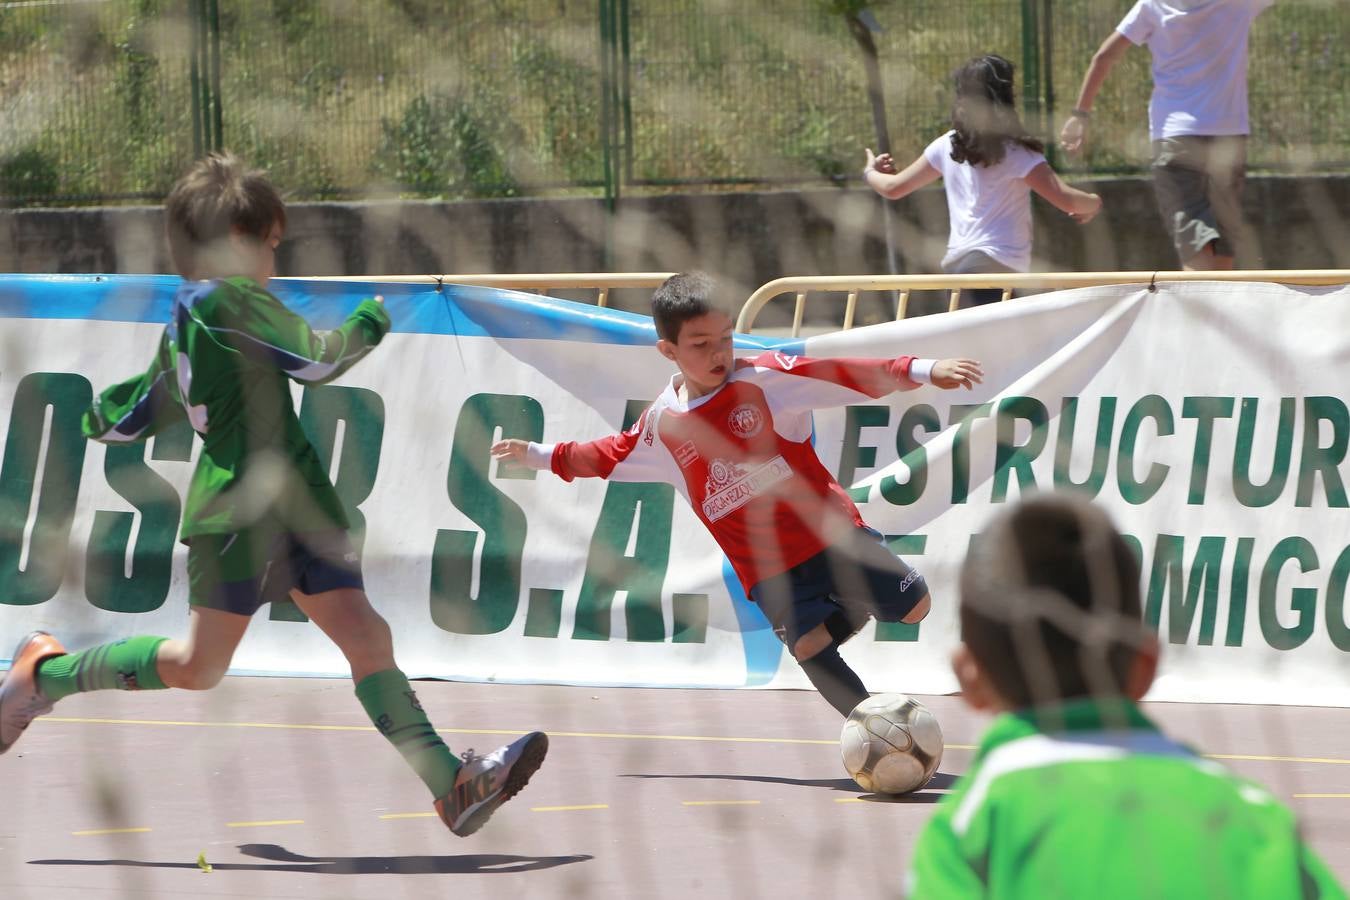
x: 240, y: 572
x: 841, y: 587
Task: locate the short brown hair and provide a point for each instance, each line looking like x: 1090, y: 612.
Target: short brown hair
x: 1050, y: 605
x: 219, y: 194
x: 680, y: 298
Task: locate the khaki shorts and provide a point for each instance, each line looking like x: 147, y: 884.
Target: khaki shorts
x: 1198, y: 182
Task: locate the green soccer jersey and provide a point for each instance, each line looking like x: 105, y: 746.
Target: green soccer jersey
x: 1091, y: 801
x: 224, y: 363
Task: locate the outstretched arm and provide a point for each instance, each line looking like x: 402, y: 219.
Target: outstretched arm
x: 1082, y: 205
x: 135, y: 409
x: 263, y: 329
x: 1073, y: 137
x: 880, y: 175
x: 632, y: 455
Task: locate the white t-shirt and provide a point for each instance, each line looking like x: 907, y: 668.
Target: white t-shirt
x: 990, y: 206
x: 1199, y: 50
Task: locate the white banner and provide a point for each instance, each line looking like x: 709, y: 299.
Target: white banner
x: 1210, y: 419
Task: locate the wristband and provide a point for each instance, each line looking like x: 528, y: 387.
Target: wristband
x: 1080, y: 114
x: 921, y: 370
x: 539, y: 456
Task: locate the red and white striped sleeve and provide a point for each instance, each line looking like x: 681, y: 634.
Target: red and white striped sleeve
x: 633, y: 455
x: 799, y: 384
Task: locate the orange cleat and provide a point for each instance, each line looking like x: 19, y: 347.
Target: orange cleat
x: 20, y: 700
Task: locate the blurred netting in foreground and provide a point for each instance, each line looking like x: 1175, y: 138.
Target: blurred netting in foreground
x: 453, y: 99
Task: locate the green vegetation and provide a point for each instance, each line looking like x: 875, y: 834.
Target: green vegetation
x: 502, y: 98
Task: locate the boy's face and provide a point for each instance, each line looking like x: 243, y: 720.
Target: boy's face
x: 257, y: 259
x: 703, y: 352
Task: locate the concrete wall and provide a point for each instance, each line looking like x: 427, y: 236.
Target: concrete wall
x: 744, y: 238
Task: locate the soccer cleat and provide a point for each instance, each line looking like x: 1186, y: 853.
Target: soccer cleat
x: 486, y: 782
x: 20, y: 700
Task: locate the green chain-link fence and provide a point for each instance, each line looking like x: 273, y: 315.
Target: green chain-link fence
x: 109, y: 99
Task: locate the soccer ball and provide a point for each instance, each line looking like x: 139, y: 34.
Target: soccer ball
x: 891, y: 744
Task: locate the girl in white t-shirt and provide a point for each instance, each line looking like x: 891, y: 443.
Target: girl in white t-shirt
x: 989, y: 164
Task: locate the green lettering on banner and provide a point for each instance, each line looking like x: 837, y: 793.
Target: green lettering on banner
x: 1337, y: 626
x: 31, y: 571
x: 1101, y: 449
x: 966, y: 414
x: 854, y: 456
x: 1237, y: 592
x: 1016, y: 459
x: 543, y: 615
x: 1204, y: 410
x: 453, y: 606
x: 1301, y: 600
x: 1133, y: 490
x: 1137, y: 553
x: 1167, y: 577
x: 359, y: 413
x: 1247, y: 493
x: 649, y: 508
x: 913, y: 455
x: 1316, y: 458
x: 904, y: 545
x: 106, y: 583
x: 691, y: 618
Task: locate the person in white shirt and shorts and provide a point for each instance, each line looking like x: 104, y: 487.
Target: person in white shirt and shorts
x: 989, y: 164
x: 1198, y: 121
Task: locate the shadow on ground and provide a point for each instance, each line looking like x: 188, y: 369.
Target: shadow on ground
x: 466, y: 864
x: 941, y: 782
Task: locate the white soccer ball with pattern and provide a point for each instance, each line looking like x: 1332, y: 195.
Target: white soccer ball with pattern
x: 891, y: 744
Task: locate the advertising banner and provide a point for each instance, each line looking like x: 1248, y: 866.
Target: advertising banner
x: 1209, y: 419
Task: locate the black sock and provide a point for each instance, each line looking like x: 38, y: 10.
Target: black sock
x: 837, y: 683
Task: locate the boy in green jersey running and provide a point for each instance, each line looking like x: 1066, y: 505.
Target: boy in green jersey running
x: 262, y: 521
x: 1073, y: 792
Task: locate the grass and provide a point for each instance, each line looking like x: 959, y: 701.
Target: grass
x: 339, y: 98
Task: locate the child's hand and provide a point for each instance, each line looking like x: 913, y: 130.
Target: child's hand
x: 510, y: 449
x: 955, y: 373
x: 883, y: 163
x: 1073, y: 136
x: 1082, y: 218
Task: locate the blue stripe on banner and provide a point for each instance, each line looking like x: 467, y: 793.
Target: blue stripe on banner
x: 762, y: 647
x: 461, y: 310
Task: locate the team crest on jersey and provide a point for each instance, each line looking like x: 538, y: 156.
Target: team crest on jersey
x: 746, y: 421
x: 685, y: 454
x: 787, y: 362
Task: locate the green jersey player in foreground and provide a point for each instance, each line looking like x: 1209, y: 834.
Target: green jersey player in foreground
x: 262, y: 521
x: 1073, y: 792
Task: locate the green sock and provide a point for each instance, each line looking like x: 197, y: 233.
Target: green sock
x: 127, y: 665
x: 393, y: 707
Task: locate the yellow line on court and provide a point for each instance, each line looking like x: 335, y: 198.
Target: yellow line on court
x: 1323, y: 796
x: 568, y: 808
x: 110, y: 831
x: 467, y: 731
x: 614, y: 735
x: 720, y: 802
x: 1285, y: 759
x: 261, y: 824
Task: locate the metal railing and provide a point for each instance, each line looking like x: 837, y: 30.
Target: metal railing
x: 603, y: 283
x: 903, y: 285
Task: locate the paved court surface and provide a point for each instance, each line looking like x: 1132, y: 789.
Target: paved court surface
x: 285, y: 790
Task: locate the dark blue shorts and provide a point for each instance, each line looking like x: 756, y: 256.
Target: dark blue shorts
x: 841, y: 587
x: 240, y: 572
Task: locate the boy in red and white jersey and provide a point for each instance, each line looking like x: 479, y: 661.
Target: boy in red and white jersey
x: 734, y: 436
